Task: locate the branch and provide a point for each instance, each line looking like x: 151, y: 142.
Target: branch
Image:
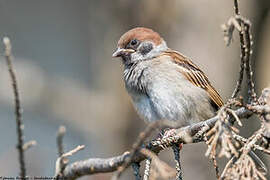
x: 189, y: 134
x: 62, y: 161
x: 18, y: 110
x: 249, y: 72
x: 243, y: 26
x: 29, y: 144
x: 242, y: 54
x: 93, y: 166
x: 59, y: 140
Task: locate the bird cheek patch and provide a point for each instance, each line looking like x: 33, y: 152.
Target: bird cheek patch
x: 146, y: 48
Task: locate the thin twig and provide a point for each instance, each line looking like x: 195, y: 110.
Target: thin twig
x: 60, y: 146
x: 59, y: 140
x: 73, y: 151
x: 251, y: 90
x: 62, y: 161
x: 18, y: 110
x: 241, y: 71
x: 245, y: 52
x: 215, y: 164
x: 255, y: 146
x: 231, y: 161
x: 242, y: 54
x: 236, y: 9
x: 29, y: 144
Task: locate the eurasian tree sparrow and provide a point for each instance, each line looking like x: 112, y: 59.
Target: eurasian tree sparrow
x: 163, y: 83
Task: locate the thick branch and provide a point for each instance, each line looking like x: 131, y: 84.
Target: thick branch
x: 189, y: 134
x: 93, y: 166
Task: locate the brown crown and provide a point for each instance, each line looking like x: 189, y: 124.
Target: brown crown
x: 141, y: 34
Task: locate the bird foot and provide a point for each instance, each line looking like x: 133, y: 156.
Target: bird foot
x: 167, y: 133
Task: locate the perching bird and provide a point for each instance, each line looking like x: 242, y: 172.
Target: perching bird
x: 163, y: 83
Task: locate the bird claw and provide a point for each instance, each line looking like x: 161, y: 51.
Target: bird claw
x: 169, y: 133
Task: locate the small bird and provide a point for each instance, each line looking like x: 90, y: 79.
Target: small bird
x: 163, y: 83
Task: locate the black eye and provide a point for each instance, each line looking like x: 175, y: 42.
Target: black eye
x: 134, y: 42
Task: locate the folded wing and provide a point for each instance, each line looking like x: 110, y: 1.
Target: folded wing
x: 195, y: 76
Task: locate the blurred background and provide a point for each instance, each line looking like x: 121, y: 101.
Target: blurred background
x: 66, y: 75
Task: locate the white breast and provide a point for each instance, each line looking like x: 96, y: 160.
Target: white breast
x: 167, y: 94
x: 143, y: 105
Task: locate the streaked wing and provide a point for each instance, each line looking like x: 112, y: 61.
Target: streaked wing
x: 195, y: 75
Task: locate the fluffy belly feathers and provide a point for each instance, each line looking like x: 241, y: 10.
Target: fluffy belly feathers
x: 158, y: 95
x: 162, y: 102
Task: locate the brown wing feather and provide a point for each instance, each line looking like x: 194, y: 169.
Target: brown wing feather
x: 195, y: 75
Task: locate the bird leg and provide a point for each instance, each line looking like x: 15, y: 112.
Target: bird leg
x: 176, y: 150
x: 136, y: 170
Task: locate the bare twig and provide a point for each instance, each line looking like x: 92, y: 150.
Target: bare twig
x: 243, y: 168
x: 18, y: 110
x: 221, y: 133
x: 62, y: 161
x: 73, y: 151
x: 243, y: 26
x: 60, y: 146
x: 229, y: 163
x: 249, y: 72
x: 29, y: 144
x: 242, y: 55
x: 236, y: 8
x: 228, y: 28
x: 59, y: 140
x: 214, y: 159
x: 255, y: 147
